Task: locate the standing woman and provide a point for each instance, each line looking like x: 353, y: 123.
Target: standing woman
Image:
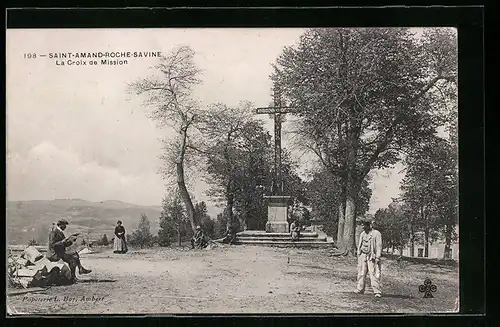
x: 120, y: 245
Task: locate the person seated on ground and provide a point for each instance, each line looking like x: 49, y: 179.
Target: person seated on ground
x: 295, y: 230
x: 199, y: 240
x: 57, y: 249
x: 230, y: 236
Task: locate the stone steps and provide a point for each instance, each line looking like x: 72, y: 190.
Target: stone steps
x: 285, y: 243
x: 265, y: 234
x: 306, y: 239
x: 279, y: 239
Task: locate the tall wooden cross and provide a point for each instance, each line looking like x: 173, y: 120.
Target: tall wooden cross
x: 278, y: 111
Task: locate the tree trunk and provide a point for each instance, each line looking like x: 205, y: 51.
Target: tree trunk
x: 412, y: 240
x: 392, y: 249
x: 351, y: 190
x: 426, y: 233
x: 186, y: 198
x: 341, y: 224
x: 242, y: 217
x: 349, y: 237
x: 179, y: 241
x: 447, y: 246
x: 230, y: 203
x: 351, y: 194
x: 242, y: 222
x: 426, y: 248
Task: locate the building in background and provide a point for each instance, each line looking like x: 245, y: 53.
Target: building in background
x: 436, y: 248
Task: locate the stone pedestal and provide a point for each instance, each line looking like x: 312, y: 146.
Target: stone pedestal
x: 277, y: 213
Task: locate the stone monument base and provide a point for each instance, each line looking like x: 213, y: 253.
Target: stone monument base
x: 277, y: 214
x: 277, y: 227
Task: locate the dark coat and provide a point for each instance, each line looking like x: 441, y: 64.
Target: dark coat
x: 120, y: 229
x: 57, y: 245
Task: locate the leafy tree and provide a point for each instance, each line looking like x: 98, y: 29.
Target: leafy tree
x: 447, y: 202
x: 221, y: 224
x: 367, y: 96
x: 172, y: 218
x: 430, y: 190
x: 394, y: 225
x: 238, y: 157
x: 142, y: 235
x: 169, y: 93
x: 235, y: 148
x: 207, y: 224
x: 104, y: 240
x: 324, y: 191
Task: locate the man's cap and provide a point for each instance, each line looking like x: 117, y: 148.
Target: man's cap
x: 62, y: 222
x: 364, y: 221
x: 198, y: 227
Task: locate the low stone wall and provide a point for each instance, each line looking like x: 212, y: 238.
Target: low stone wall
x: 420, y: 260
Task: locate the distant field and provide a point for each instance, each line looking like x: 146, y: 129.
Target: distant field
x: 28, y: 220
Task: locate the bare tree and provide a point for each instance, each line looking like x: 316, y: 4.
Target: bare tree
x: 168, y: 91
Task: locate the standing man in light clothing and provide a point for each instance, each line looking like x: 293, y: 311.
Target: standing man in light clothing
x: 378, y: 241
x: 369, y: 252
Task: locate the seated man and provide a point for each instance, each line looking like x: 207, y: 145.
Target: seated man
x: 199, y: 240
x: 295, y: 230
x: 230, y: 237
x: 57, y: 250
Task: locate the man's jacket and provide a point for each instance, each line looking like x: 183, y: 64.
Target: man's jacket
x: 375, y: 244
x: 57, y: 245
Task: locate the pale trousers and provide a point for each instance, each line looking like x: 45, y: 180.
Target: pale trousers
x: 368, y: 266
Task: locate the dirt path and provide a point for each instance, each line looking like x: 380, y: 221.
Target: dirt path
x: 241, y: 279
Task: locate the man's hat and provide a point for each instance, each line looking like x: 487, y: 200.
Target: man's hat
x: 198, y: 227
x: 361, y: 220
x: 365, y: 221
x: 62, y: 222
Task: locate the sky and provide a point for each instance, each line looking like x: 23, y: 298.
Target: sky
x: 73, y: 132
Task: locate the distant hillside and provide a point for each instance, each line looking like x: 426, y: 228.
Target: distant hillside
x: 28, y: 220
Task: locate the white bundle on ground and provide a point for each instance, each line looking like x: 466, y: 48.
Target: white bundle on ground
x: 34, y: 269
x: 31, y: 254
x: 85, y: 250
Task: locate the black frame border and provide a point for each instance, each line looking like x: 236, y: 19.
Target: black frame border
x: 470, y: 23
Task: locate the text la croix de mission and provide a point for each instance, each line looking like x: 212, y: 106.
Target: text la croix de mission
x: 99, y: 58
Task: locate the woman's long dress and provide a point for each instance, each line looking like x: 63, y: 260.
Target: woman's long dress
x: 120, y: 244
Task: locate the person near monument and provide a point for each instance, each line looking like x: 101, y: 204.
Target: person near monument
x: 57, y: 249
x: 230, y: 236
x: 295, y: 230
x: 199, y: 240
x: 120, y: 243
x: 369, y: 253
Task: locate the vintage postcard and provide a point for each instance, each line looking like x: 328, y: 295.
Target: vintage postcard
x: 237, y: 170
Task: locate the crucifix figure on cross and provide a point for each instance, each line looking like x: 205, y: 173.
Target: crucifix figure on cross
x: 278, y: 111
